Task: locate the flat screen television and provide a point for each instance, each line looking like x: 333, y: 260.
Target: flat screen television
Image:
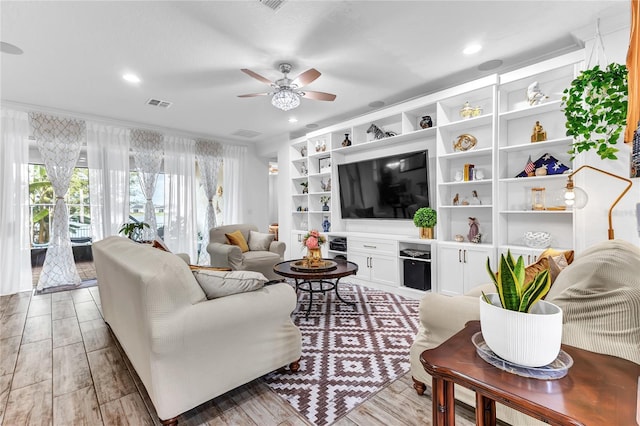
x: 391, y: 187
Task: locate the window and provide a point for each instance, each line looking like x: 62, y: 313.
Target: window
x: 137, y: 201
x: 42, y: 201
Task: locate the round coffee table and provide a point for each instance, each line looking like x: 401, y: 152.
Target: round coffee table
x: 317, y: 281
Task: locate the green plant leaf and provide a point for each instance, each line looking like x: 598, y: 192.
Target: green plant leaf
x: 539, y: 286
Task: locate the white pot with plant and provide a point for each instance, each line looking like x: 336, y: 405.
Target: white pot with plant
x: 425, y: 218
x: 516, y: 323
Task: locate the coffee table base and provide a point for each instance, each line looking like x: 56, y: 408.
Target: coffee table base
x: 321, y: 286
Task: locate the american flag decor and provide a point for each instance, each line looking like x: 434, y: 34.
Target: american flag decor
x: 530, y: 167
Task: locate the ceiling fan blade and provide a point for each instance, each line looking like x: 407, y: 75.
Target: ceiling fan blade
x: 256, y: 76
x: 306, y: 77
x: 251, y: 95
x: 319, y: 96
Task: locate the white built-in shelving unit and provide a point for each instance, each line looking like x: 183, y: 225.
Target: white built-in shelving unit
x: 502, y: 128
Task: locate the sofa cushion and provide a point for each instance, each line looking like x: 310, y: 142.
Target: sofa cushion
x: 599, y: 294
x: 220, y: 284
x: 237, y: 239
x: 259, y: 241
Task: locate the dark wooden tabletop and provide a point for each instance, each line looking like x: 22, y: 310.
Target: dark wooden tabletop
x: 598, y: 390
x: 343, y: 268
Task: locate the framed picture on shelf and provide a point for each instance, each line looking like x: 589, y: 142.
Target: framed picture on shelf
x: 324, y: 164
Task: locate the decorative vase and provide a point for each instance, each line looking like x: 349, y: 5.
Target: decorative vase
x: 426, y: 122
x: 325, y: 207
x: 314, y: 256
x: 529, y: 339
x: 326, y: 225
x: 426, y: 233
x: 346, y: 141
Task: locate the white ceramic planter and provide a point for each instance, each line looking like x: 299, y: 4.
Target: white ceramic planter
x: 530, y: 339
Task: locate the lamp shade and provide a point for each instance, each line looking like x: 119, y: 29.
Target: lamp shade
x: 285, y: 100
x: 575, y: 198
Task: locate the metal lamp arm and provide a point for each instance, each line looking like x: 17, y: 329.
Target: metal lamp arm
x: 629, y: 182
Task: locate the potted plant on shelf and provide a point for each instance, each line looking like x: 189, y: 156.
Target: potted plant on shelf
x: 425, y: 218
x: 324, y: 200
x: 595, y: 107
x: 516, y: 323
x: 133, y: 230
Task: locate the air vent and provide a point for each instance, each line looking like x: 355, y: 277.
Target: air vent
x: 246, y: 133
x: 158, y: 103
x: 272, y: 4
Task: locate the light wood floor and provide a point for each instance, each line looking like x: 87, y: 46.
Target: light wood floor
x: 60, y: 365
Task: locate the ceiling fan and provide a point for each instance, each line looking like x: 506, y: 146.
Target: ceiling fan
x: 286, y: 92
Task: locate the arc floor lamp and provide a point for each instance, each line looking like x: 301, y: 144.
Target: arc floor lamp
x: 577, y: 197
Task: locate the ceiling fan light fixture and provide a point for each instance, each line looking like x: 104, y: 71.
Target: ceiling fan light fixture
x: 285, y: 100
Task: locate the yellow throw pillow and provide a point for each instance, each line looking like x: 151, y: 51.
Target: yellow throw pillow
x: 237, y: 239
x: 532, y: 270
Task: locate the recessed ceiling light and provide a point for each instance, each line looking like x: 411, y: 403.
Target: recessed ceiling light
x: 293, y: 120
x: 311, y: 126
x: 131, y: 78
x: 472, y: 48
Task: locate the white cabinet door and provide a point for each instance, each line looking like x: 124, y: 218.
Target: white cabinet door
x: 362, y: 260
x: 384, y: 269
x: 450, y: 270
x: 461, y: 268
x: 475, y: 266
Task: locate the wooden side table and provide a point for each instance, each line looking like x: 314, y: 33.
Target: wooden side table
x: 598, y: 390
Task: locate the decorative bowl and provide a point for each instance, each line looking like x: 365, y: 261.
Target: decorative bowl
x: 538, y: 240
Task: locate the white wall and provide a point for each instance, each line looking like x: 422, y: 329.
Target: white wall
x: 592, y: 221
x: 256, y: 191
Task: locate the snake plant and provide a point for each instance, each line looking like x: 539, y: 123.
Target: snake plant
x: 515, y: 293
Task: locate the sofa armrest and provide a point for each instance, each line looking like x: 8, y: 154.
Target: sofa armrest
x: 185, y: 257
x: 443, y: 316
x: 225, y: 255
x: 278, y: 247
x: 477, y: 291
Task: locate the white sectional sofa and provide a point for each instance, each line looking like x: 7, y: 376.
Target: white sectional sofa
x: 185, y: 348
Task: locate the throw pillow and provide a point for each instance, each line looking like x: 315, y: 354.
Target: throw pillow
x: 159, y: 244
x: 237, y: 239
x: 568, y: 255
x: 220, y: 284
x: 259, y: 241
x: 207, y: 268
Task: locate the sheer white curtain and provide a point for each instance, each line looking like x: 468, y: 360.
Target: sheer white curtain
x: 180, y: 227
x: 147, y: 152
x: 233, y: 172
x: 108, y: 161
x: 209, y: 156
x: 15, y: 253
x: 59, y: 141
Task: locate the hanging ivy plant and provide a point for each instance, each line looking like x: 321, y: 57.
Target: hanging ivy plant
x: 595, y: 106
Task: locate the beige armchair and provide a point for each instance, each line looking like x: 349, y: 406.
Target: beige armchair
x: 263, y: 252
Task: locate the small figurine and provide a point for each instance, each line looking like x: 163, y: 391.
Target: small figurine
x: 474, y: 198
x: 303, y: 169
x: 426, y: 122
x: 303, y: 151
x: 535, y: 95
x: 466, y: 111
x: 323, y: 147
x: 456, y: 200
x: 317, y: 146
x: 474, y: 234
x: 539, y: 134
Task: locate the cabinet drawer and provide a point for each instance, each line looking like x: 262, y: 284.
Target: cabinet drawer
x: 376, y: 246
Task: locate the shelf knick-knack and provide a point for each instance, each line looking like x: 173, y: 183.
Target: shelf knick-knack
x: 535, y: 95
x: 317, y: 146
x: 426, y: 122
x: 537, y: 198
x: 539, y: 134
x: 326, y: 225
x: 346, y: 141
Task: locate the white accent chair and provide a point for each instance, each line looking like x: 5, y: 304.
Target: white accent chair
x: 224, y: 255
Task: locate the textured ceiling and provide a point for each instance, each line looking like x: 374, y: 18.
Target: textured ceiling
x: 191, y: 53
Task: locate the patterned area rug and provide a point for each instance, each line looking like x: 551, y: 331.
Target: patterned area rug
x: 349, y: 352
